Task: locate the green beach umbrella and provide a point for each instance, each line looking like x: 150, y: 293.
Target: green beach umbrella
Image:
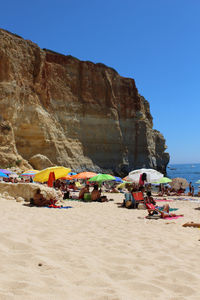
x: 102, y: 177
x: 163, y: 180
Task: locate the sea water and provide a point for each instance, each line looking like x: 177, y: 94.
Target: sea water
x: 191, y: 172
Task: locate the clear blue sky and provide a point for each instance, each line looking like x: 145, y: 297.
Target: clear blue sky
x: 156, y: 42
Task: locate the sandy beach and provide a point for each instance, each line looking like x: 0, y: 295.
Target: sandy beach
x: 97, y: 251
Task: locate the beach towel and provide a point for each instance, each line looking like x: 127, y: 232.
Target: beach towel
x: 58, y: 206
x: 156, y: 217
x: 173, y: 218
x: 171, y: 209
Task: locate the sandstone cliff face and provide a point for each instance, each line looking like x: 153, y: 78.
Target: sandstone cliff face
x: 9, y: 157
x: 78, y: 114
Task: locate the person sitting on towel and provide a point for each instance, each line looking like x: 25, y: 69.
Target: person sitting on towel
x: 96, y: 195
x: 84, y: 190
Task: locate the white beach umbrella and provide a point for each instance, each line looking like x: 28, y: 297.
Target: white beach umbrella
x: 152, y: 175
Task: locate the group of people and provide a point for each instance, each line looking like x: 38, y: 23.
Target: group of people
x: 147, y: 201
x: 95, y: 194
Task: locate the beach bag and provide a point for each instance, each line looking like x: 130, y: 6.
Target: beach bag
x: 141, y: 206
x: 128, y: 204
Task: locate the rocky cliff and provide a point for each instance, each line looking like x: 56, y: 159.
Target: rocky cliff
x: 76, y: 113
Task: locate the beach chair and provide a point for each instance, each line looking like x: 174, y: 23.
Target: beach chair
x: 138, y: 197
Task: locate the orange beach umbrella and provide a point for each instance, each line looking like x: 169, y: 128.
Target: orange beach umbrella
x: 68, y: 177
x: 84, y: 175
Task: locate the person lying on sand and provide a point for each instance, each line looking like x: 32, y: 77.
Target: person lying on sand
x: 164, y: 213
x: 39, y: 200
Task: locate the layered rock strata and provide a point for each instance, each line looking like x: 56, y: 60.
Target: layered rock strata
x: 76, y: 113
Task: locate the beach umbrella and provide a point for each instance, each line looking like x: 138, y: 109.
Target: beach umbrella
x: 7, y: 172
x: 84, y: 175
x: 59, y: 172
x: 68, y: 177
x: 123, y: 184
x: 30, y: 173
x: 163, y: 180
x: 152, y: 175
x: 125, y: 178
x: 198, y: 181
x: 118, y: 179
x: 51, y: 179
x: 178, y: 183
x: 3, y: 175
x: 102, y: 177
x: 72, y: 173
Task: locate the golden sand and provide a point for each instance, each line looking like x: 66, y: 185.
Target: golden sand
x: 98, y: 251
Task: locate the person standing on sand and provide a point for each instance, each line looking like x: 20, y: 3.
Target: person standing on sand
x: 190, y: 187
x: 192, y: 191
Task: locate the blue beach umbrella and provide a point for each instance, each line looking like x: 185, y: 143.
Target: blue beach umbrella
x: 5, y: 171
x: 118, y: 179
x: 3, y: 175
x: 72, y: 173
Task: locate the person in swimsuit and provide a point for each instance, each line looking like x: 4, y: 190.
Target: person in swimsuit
x: 83, y: 191
x: 96, y: 195
x: 39, y: 200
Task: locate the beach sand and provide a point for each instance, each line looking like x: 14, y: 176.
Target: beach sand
x: 97, y: 251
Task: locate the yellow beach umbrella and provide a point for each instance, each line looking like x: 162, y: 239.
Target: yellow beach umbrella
x: 59, y: 172
x: 122, y: 185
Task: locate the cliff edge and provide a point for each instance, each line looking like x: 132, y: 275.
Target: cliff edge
x: 78, y: 114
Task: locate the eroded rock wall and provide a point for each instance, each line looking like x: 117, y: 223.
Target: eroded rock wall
x: 76, y: 113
